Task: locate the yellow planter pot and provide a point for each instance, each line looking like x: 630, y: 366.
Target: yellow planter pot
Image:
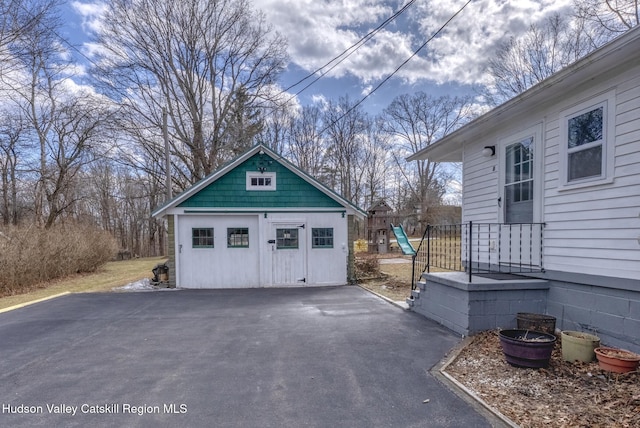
x: 579, y: 346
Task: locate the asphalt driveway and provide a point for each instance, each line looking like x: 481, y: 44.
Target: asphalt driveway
x: 319, y: 357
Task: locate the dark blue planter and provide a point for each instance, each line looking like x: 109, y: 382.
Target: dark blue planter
x: 527, y: 348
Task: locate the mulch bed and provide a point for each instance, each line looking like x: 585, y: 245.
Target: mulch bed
x: 563, y: 395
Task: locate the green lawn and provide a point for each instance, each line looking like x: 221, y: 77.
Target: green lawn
x: 112, y: 274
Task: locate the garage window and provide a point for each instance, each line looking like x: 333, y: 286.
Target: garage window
x: 260, y: 181
x: 202, y: 237
x: 286, y: 239
x: 237, y: 237
x: 322, y: 237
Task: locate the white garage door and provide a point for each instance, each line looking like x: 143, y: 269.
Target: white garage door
x: 217, y: 251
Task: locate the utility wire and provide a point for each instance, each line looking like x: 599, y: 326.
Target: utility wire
x: 346, y: 53
x: 434, y: 35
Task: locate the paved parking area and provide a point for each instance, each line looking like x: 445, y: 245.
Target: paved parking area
x: 316, y: 357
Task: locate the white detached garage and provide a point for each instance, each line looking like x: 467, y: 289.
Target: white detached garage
x: 259, y: 222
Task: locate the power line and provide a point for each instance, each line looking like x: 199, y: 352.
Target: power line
x: 434, y: 35
x: 346, y: 53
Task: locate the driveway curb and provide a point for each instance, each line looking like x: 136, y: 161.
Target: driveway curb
x: 496, y: 418
x: 22, y: 305
x: 398, y: 303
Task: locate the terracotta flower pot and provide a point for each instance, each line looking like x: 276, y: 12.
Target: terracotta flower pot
x: 617, y: 360
x: 527, y: 348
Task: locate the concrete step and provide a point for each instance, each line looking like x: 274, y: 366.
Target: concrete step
x: 415, y: 294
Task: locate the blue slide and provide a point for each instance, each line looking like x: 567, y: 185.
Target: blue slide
x: 403, y: 240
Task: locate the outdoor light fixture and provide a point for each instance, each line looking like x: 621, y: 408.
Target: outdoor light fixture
x: 262, y: 164
x: 488, y: 151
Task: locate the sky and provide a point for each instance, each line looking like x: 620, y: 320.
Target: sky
x: 452, y: 63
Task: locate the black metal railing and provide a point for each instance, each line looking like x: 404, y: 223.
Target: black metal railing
x: 480, y: 248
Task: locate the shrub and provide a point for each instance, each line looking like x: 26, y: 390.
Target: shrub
x: 30, y: 255
x: 367, y: 267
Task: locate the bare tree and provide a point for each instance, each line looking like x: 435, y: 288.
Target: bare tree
x: 12, y: 135
x: 413, y: 123
x: 195, y: 58
x: 277, y: 126
x: 76, y: 130
x: 346, y: 126
x: 66, y: 124
x: 608, y: 18
x: 376, y: 163
x: 543, y: 50
x: 306, y: 146
x: 17, y: 18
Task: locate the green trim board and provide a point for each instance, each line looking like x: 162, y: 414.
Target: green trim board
x: 263, y: 211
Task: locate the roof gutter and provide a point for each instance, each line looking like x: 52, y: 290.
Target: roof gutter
x: 573, y: 75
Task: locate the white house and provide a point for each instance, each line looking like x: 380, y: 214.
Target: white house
x: 259, y: 222
x: 565, y: 154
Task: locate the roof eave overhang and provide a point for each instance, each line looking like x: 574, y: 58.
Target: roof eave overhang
x: 623, y: 50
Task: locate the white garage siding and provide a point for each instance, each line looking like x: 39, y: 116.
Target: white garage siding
x: 220, y: 266
x: 261, y: 264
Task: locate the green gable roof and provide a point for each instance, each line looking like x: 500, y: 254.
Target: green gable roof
x: 229, y: 191
x: 226, y: 188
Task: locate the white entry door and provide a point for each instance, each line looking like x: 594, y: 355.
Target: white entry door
x: 288, y: 254
x: 518, y: 182
x: 520, y: 234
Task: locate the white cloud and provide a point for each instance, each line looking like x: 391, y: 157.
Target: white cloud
x: 90, y: 13
x: 320, y: 30
x: 460, y: 52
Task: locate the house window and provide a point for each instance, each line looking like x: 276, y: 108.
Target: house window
x: 584, y: 144
x: 587, y: 142
x: 322, y: 237
x: 286, y: 239
x: 202, y: 237
x: 261, y: 181
x: 237, y: 237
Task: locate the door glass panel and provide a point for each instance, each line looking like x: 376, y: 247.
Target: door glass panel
x: 518, y: 186
x: 286, y: 238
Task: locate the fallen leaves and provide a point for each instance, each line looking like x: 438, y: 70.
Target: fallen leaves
x: 562, y: 395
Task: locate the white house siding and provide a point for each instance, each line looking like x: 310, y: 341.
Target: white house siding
x: 480, y: 186
x: 589, y: 230
x: 596, y: 229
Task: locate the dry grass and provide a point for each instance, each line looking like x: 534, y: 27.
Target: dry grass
x: 32, y: 255
x: 390, y: 280
x: 112, y: 274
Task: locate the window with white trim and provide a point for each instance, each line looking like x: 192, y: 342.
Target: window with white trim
x: 586, y: 141
x: 202, y: 237
x: 322, y: 237
x: 261, y: 180
x: 237, y: 237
